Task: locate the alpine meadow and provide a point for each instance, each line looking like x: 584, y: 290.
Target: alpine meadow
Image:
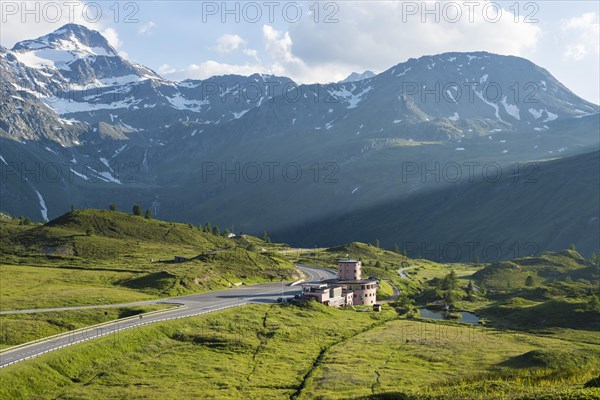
x: 300, y: 200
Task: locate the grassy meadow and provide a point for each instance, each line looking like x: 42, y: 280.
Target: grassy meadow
x: 539, y: 338
x: 17, y: 329
x: 94, y: 257
x: 311, y: 352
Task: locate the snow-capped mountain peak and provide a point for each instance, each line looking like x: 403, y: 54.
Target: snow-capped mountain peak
x: 63, y: 46
x: 79, y: 55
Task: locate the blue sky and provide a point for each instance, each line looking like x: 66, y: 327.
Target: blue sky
x: 194, y: 39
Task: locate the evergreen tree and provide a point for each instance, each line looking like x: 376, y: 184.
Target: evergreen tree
x: 378, y: 264
x: 207, y: 228
x: 451, y: 297
x: 377, y: 244
x: 226, y: 232
x: 266, y: 237
x: 529, y: 281
x: 215, y: 230
x: 137, y: 210
x: 572, y: 247
x: 72, y: 207
x: 89, y: 232
x: 450, y: 281
x: 148, y: 214
x: 112, y: 207
x: 482, y: 289
x: 396, y: 249
x: 470, y: 288
x: 593, y: 303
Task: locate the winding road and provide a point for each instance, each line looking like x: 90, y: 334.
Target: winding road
x: 189, y: 306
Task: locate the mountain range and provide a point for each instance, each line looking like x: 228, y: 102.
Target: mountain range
x: 81, y: 125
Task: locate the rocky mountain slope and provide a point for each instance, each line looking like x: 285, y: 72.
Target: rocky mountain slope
x: 79, y: 124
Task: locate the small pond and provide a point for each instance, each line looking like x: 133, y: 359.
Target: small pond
x: 466, y: 317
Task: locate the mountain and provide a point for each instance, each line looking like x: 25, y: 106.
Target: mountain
x: 543, y: 206
x: 81, y: 125
x: 355, y: 76
x: 80, y: 56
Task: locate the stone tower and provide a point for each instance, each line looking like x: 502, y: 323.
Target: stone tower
x: 349, y: 270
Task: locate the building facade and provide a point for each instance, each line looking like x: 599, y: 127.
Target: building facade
x: 347, y: 290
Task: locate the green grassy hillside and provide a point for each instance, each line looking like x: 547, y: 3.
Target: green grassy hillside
x: 311, y: 352
x: 100, y: 257
x: 546, y: 269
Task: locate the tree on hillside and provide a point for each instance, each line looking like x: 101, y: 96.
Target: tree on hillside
x: 72, y: 207
x: 572, y: 247
x: 207, y: 228
x: 529, y: 281
x: 593, y: 303
x: 215, y: 230
x: 378, y: 264
x: 226, y: 232
x: 470, y: 290
x: 89, y: 232
x: 24, y: 221
x: 396, y: 249
x: 451, y: 297
x: 450, y: 281
x: 377, y: 244
x: 148, y: 214
x: 483, y: 288
x: 266, y: 237
x: 112, y: 207
x: 596, y: 258
x: 137, y: 210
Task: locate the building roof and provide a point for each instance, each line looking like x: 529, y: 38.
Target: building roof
x: 347, y: 281
x: 348, y: 261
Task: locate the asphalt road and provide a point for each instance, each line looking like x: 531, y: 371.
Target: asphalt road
x: 191, y: 305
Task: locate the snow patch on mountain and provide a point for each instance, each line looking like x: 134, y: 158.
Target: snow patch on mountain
x: 536, y: 114
x: 350, y: 97
x: 511, y: 109
x: 551, y: 116
x: 493, y: 105
x: 181, y: 103
x: 43, y: 208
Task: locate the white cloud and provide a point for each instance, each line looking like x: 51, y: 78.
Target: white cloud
x: 583, y: 33
x: 147, y: 28
x: 372, y: 36
x: 166, y: 69
x: 378, y: 35
x: 112, y: 37
x: 229, y: 43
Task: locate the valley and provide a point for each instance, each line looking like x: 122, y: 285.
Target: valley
x: 533, y: 311
x: 241, y: 149
x: 230, y: 221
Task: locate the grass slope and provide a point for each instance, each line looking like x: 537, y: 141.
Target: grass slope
x: 100, y: 257
x: 310, y: 352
